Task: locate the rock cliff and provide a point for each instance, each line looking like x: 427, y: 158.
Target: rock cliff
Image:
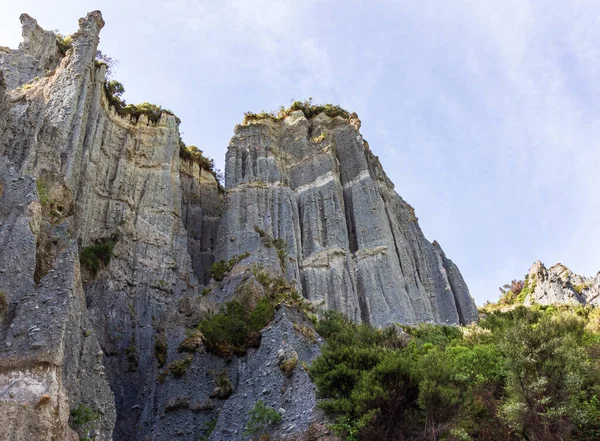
x: 350, y: 241
x: 109, y: 349
x: 559, y: 285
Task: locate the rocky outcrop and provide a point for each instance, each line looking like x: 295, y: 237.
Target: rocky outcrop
x: 352, y: 243
x: 559, y: 285
x: 36, y: 56
x: 305, y: 198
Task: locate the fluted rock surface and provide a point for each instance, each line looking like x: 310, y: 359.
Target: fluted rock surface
x: 306, y: 198
x: 50, y: 360
x: 559, y: 285
x: 352, y: 243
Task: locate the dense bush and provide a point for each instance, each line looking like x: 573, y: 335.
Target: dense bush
x: 98, y: 255
x: 236, y: 326
x: 527, y: 374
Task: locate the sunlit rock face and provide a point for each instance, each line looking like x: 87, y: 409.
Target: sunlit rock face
x: 305, y: 198
x: 352, y: 243
x: 560, y: 285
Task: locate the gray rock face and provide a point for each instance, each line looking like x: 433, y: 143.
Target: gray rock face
x: 559, y: 285
x: 260, y: 377
x: 201, y: 214
x: 50, y: 361
x: 354, y: 244
x: 317, y: 209
x: 37, y: 55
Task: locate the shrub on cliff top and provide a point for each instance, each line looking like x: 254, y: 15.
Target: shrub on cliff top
x: 194, y: 154
x: 307, y: 107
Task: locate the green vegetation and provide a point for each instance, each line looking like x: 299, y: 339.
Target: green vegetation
x: 83, y: 421
x: 98, y: 255
x: 279, y: 244
x: 64, y: 43
x: 160, y: 349
x: 131, y: 354
x: 104, y: 60
x: 526, y: 374
x: 194, y: 154
x: 319, y: 139
x: 236, y: 326
x: 179, y: 367
x: 514, y: 293
x: 288, y: 364
x: 42, y: 192
x: 309, y: 109
x: 224, y: 388
x: 219, y: 269
x: 114, y: 91
x: 192, y: 343
x: 208, y: 429
x: 581, y: 287
x: 3, y: 303
x: 261, y: 417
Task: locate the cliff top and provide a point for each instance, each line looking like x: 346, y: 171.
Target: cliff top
x: 307, y: 107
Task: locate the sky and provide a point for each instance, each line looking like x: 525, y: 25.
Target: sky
x: 484, y: 113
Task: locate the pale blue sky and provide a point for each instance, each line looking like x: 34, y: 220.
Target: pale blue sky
x: 485, y: 114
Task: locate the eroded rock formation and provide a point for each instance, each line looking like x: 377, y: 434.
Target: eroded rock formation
x: 560, y: 285
x: 305, y: 198
x: 350, y: 240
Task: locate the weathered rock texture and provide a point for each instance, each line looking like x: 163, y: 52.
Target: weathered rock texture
x: 558, y: 285
x: 351, y: 241
x: 50, y: 361
x: 74, y: 172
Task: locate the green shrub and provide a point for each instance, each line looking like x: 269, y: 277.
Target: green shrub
x: 179, y: 367
x: 261, y: 417
x: 288, y: 365
x: 209, y: 427
x: 64, y: 43
x: 160, y: 349
x: 83, y: 421
x: 236, y: 326
x: 219, y: 269
x: 192, y: 343
x: 528, y: 373
x: 98, y: 255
